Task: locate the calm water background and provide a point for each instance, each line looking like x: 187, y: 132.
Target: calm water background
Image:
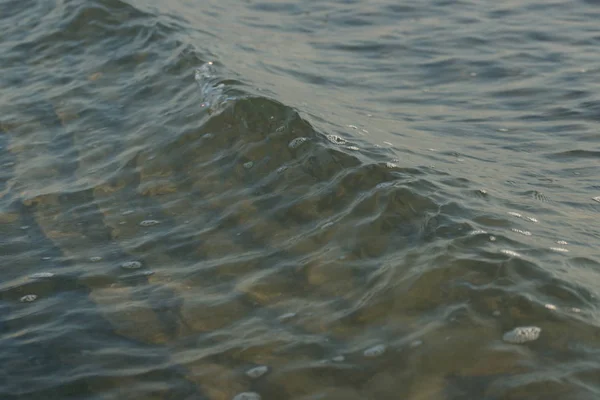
x: 362, y: 196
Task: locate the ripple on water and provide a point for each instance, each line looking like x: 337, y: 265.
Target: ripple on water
x: 321, y: 241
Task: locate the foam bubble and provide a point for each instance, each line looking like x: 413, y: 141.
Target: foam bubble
x: 597, y: 198
x: 477, y: 232
x: 95, y: 259
x: 559, y: 249
x: 522, y: 334
x: 338, y: 359
x: 294, y: 144
x: 131, y: 265
x: 149, y: 222
x: 28, y: 298
x: 525, y: 233
x: 335, y: 139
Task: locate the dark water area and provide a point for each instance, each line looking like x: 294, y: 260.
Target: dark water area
x: 299, y: 200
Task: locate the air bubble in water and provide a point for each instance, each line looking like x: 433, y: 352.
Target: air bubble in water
x: 149, y: 222
x: 247, y: 396
x: 28, y: 298
x: 131, y: 265
x: 336, y: 139
x: 257, y: 372
x: 374, y: 351
x: 249, y: 165
x: 522, y: 334
x: 294, y: 144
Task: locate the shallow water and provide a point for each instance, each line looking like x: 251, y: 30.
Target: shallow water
x: 300, y: 200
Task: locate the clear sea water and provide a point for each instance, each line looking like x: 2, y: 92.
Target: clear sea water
x: 312, y: 200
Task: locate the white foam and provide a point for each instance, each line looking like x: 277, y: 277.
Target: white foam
x: 149, y: 222
x: 28, y: 298
x: 522, y: 334
x: 131, y: 265
x: 294, y: 144
x: 257, y: 372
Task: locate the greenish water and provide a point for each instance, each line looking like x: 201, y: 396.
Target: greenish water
x: 299, y: 200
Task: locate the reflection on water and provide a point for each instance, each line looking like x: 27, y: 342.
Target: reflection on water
x: 303, y: 201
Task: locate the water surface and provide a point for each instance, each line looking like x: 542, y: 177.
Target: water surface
x: 302, y: 200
